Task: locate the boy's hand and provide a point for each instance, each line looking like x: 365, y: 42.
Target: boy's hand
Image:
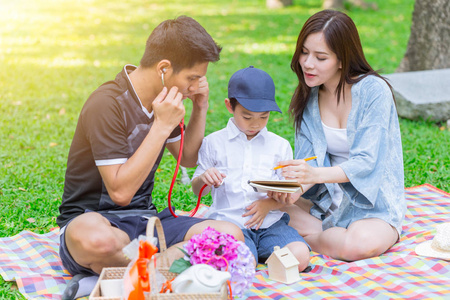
x: 200, y: 96
x: 258, y: 210
x: 212, y: 177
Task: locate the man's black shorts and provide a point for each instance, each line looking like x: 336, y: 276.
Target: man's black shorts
x: 174, y: 231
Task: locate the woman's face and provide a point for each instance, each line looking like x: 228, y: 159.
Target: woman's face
x: 319, y: 64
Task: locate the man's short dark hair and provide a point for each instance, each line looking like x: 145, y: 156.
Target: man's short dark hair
x: 182, y: 41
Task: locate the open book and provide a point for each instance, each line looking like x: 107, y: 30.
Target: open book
x: 282, y: 186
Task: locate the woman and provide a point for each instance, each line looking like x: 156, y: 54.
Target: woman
x: 345, y: 114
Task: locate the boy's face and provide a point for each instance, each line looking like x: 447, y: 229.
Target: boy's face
x: 248, y: 122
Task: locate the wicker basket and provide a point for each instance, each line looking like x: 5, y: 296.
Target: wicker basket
x: 117, y: 273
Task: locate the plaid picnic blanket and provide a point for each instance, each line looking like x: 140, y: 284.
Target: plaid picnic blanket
x: 32, y: 261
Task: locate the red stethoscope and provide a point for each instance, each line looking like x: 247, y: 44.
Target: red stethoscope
x: 169, y: 196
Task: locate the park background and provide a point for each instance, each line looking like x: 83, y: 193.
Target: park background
x: 55, y: 53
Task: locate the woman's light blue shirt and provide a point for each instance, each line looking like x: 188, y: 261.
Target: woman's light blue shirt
x: 375, y: 164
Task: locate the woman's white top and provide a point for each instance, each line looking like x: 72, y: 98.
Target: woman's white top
x: 338, y: 149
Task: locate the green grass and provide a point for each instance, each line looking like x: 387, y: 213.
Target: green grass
x: 54, y: 53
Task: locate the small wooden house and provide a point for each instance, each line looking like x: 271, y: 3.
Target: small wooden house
x: 283, y: 266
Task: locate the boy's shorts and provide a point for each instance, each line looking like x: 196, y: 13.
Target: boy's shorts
x: 262, y: 241
x: 174, y: 231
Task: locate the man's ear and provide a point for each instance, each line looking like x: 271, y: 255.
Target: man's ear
x: 228, y: 105
x: 164, y: 67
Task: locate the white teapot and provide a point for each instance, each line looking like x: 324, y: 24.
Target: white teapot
x: 200, y: 278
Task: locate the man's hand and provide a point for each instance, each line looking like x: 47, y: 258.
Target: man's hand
x: 201, y: 95
x: 168, y: 109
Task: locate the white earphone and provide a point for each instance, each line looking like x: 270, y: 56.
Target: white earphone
x: 162, y: 75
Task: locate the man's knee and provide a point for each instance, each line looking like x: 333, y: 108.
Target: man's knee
x: 90, y: 235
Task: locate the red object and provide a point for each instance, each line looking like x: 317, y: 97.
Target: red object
x: 169, y: 196
x: 140, y: 278
x: 167, y: 286
x: 226, y: 261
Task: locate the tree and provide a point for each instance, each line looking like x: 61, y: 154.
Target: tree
x: 429, y: 42
x: 278, y: 3
x: 333, y: 4
x: 327, y: 4
x: 339, y: 4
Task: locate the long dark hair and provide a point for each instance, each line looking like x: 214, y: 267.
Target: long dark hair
x: 342, y: 38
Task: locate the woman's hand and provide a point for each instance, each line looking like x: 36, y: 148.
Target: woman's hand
x: 300, y: 171
x: 284, y: 198
x: 308, y: 176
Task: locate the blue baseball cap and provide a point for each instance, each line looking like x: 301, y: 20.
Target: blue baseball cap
x: 253, y: 89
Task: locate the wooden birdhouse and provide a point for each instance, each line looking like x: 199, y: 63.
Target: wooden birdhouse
x: 283, y: 266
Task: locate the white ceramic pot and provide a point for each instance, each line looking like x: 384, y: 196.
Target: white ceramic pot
x: 200, y: 278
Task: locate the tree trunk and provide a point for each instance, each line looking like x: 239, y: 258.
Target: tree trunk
x: 429, y: 42
x: 333, y: 4
x: 339, y: 4
x: 278, y: 3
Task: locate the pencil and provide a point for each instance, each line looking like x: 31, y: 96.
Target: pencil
x: 306, y: 159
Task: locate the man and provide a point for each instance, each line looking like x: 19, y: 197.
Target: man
x: 118, y: 144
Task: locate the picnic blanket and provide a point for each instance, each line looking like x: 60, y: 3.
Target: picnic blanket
x: 32, y: 261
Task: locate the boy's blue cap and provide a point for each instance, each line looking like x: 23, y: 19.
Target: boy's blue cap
x: 253, y: 89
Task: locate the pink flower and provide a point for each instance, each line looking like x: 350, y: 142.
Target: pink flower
x: 223, y: 252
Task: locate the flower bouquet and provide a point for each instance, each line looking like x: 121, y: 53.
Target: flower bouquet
x: 221, y: 251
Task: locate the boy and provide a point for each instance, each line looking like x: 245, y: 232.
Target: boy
x: 242, y: 151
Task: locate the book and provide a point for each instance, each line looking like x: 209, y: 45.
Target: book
x: 282, y: 186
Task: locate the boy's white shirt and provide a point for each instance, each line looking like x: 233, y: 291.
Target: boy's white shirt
x: 229, y: 151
